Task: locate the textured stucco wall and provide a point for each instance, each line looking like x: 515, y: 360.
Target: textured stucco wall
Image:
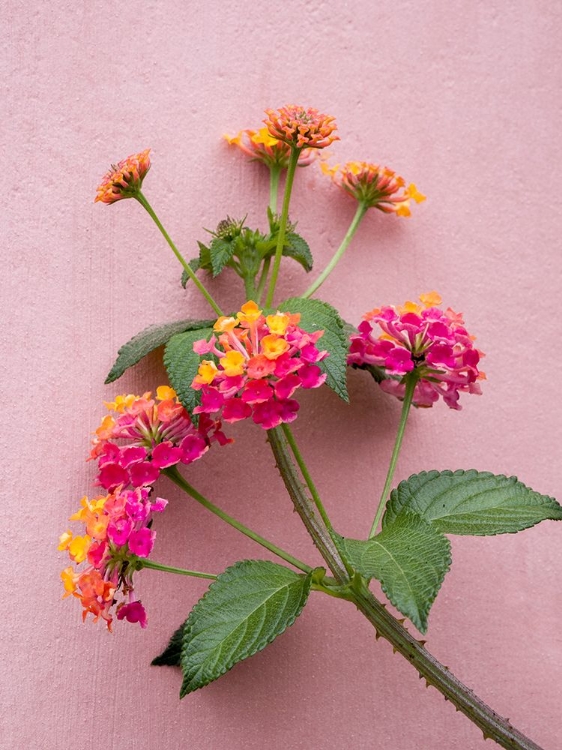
x: 463, y: 99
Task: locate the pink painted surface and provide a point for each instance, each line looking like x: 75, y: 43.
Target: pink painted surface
x: 461, y: 98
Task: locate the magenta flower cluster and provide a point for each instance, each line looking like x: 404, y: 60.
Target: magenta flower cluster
x: 424, y: 339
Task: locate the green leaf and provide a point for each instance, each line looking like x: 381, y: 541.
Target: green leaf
x: 410, y: 559
x: 148, y: 340
x: 246, y: 608
x: 317, y: 315
x: 221, y: 252
x: 195, y: 265
x: 171, y: 656
x: 471, y: 502
x: 182, y: 363
x: 296, y: 247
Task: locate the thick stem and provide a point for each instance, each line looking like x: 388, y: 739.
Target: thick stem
x: 177, y: 478
x: 169, y: 569
x: 304, y: 507
x: 387, y: 626
x: 411, y: 381
x: 295, y: 152
x: 357, y: 219
x: 492, y: 725
x: 146, y: 205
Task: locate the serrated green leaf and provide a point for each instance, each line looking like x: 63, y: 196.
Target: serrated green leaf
x: 246, y: 608
x: 296, y: 247
x: 182, y: 363
x: 148, y: 340
x: 195, y: 265
x: 171, y: 656
x: 410, y: 558
x: 317, y: 315
x: 221, y: 252
x: 471, y: 502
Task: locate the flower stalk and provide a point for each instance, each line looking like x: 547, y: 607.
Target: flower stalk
x: 362, y: 209
x: 173, y: 474
x: 282, y: 224
x: 411, y: 380
x: 146, y: 205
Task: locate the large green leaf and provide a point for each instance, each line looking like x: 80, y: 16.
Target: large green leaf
x: 249, y: 605
x: 317, y: 315
x: 471, y: 502
x: 410, y: 559
x: 148, y: 340
x: 182, y: 363
x: 296, y: 247
x: 171, y: 656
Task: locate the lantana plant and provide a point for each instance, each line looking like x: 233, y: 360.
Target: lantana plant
x: 251, y: 364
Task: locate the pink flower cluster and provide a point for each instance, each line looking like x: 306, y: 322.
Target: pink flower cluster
x: 159, y: 434
x: 262, y: 360
x: 118, y: 533
x: 425, y: 339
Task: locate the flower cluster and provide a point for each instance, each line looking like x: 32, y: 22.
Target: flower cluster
x: 262, y: 360
x: 375, y: 186
x: 152, y: 435
x: 260, y: 146
x: 158, y: 434
x: 118, y: 533
x: 421, y: 338
x: 124, y: 180
x: 300, y: 127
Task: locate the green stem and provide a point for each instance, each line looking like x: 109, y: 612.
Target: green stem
x: 263, y: 278
x: 274, y: 175
x: 411, y: 381
x: 177, y: 478
x: 295, y: 152
x: 306, y: 475
x: 145, y: 204
x: 169, y: 569
x: 359, y: 214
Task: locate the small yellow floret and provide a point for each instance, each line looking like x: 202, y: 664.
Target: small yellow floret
x: 233, y: 363
x: 68, y: 579
x: 105, y: 428
x: 165, y: 393
x: 78, y: 548
x: 415, y: 194
x: 273, y: 346
x: 262, y: 136
x: 224, y: 324
x: 207, y: 372
x: 122, y: 402
x: 249, y: 312
x: 278, y: 323
x: 431, y: 299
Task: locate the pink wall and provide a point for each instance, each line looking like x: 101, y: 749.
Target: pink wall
x: 463, y: 99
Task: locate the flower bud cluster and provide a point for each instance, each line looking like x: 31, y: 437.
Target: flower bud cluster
x: 124, y: 180
x: 260, y: 362
x: 300, y: 127
x: 375, y: 186
x: 259, y: 145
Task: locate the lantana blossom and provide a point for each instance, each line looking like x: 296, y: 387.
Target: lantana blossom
x: 118, y: 536
x: 375, y: 186
x: 124, y: 180
x: 152, y: 434
x: 260, y: 146
x: 259, y: 362
x: 421, y: 338
x: 300, y: 127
